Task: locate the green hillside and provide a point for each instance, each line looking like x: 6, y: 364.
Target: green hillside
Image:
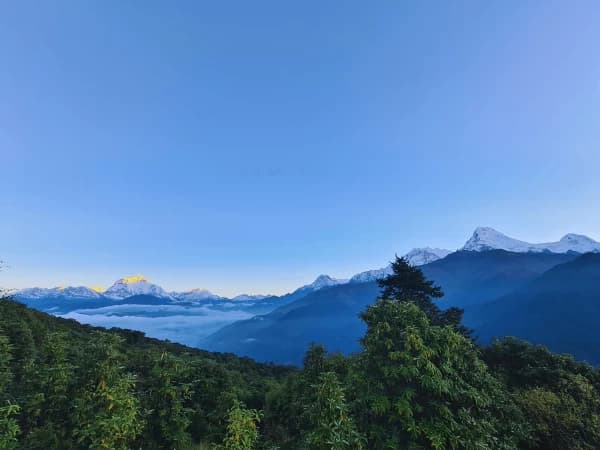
x: 418, y: 382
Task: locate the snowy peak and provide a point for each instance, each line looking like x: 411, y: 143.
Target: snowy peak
x: 321, y: 282
x: 134, y: 285
x: 78, y: 292
x: 134, y: 279
x: 195, y: 295
x: 371, y: 275
x: 578, y: 243
x: 324, y: 281
x: 249, y: 297
x: 426, y: 255
x: 485, y: 238
x: 416, y: 257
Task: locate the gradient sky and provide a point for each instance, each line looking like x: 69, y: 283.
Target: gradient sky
x: 249, y: 146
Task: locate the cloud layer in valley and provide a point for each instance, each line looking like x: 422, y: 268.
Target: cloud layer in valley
x: 187, y: 325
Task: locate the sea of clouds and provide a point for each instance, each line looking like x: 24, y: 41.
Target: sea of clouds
x: 184, y: 324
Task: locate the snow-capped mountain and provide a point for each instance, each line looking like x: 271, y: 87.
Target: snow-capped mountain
x: 485, y: 238
x: 134, y: 285
x: 195, y: 295
x: 321, y: 282
x: 249, y: 297
x: 425, y: 255
x: 77, y: 292
x: 371, y: 275
x: 416, y: 257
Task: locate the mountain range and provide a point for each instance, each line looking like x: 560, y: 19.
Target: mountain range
x: 138, y: 285
x: 483, y: 239
x: 330, y: 316
x: 493, y: 277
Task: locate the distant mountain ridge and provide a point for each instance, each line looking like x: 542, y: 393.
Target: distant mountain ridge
x: 486, y: 238
x: 483, y: 239
x: 330, y: 316
x: 416, y: 257
x: 560, y: 309
x: 76, y: 292
x: 139, y: 285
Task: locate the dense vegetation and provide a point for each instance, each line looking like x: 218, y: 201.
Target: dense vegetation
x: 419, y: 382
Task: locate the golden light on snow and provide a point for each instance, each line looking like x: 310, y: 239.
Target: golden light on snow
x: 133, y: 279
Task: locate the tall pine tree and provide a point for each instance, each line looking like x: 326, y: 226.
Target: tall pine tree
x: 407, y: 283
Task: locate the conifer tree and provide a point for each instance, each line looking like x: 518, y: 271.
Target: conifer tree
x: 407, y: 283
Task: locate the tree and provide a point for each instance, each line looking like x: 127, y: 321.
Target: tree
x: 559, y: 397
x: 424, y: 385
x: 407, y: 283
x: 169, y: 418
x: 314, y: 361
x: 242, y: 428
x: 5, y: 366
x: 331, y: 426
x: 48, y: 394
x: 9, y: 428
x: 107, y: 410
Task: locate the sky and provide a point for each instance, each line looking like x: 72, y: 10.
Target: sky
x: 250, y: 146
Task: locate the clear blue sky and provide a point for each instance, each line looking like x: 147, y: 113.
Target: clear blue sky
x: 250, y: 146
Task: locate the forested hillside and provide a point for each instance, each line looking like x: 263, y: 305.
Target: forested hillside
x: 418, y: 382
x: 64, y: 385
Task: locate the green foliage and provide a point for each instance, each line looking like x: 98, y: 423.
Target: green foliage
x: 242, y: 428
x: 5, y: 365
x: 331, y: 426
x: 9, y: 428
x: 107, y: 410
x: 80, y: 387
x: 425, y: 385
x: 168, y: 418
x: 284, y: 418
x: 48, y: 389
x: 560, y: 398
x: 314, y: 362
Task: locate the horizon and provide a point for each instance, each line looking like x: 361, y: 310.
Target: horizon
x: 133, y: 277
x: 249, y: 149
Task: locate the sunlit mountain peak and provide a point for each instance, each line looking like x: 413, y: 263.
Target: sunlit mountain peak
x: 134, y: 279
